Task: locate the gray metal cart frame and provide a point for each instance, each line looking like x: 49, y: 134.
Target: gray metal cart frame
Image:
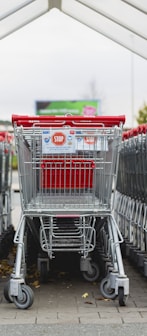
x: 67, y: 169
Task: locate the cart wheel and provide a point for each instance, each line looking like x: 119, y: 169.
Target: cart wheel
x: 7, y: 295
x: 91, y: 277
x: 27, y: 298
x: 107, y: 292
x: 43, y: 272
x: 121, y: 297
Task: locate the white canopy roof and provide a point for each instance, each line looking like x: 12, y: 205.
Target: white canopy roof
x: 123, y: 21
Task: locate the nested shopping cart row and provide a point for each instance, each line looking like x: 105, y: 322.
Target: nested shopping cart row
x: 6, y: 229
x: 67, y: 169
x: 131, y: 205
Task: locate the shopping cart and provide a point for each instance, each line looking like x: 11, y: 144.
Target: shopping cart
x: 131, y: 200
x: 6, y: 228
x: 67, y: 169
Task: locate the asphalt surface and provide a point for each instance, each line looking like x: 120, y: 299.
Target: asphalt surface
x: 73, y: 330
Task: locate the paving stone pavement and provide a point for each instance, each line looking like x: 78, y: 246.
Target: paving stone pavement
x: 60, y: 301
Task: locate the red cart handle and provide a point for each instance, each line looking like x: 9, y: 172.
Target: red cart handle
x: 133, y: 132
x: 41, y: 121
x: 6, y: 137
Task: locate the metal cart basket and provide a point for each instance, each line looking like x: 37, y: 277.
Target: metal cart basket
x: 67, y: 168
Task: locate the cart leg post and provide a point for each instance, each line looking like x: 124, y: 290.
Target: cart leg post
x: 116, y: 282
x: 85, y: 264
x: 17, y: 277
x: 43, y: 268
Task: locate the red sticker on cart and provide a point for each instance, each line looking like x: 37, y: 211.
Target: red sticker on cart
x: 58, y: 139
x: 89, y: 140
x: 92, y: 142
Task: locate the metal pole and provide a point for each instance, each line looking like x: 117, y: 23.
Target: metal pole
x: 132, y: 84
x: 132, y: 87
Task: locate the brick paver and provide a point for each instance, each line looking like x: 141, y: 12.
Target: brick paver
x: 60, y: 301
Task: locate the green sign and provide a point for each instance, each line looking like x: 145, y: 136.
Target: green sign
x: 76, y: 107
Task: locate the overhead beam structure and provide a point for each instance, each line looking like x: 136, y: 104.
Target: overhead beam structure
x: 122, y: 21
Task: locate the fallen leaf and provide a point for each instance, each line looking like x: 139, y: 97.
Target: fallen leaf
x: 102, y: 299
x: 62, y: 274
x: 36, y: 284
x: 85, y: 295
x: 88, y: 302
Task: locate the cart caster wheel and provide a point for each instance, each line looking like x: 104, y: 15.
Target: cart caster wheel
x: 121, y: 297
x: 26, y: 299
x: 107, y: 292
x: 7, y: 295
x: 43, y: 272
x: 91, y: 277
